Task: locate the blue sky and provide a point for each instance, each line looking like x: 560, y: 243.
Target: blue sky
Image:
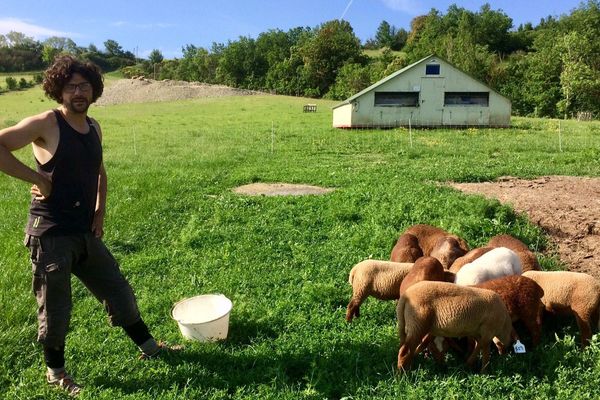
x: 140, y: 26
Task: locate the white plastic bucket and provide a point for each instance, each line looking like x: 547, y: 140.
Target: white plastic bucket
x: 204, y: 318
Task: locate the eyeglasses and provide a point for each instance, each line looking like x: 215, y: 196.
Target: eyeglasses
x: 72, y: 87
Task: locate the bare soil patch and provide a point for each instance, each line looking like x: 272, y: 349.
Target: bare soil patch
x: 280, y: 189
x: 566, y: 207
x: 143, y: 90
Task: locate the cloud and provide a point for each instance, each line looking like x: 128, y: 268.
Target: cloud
x: 406, y: 6
x: 30, y: 29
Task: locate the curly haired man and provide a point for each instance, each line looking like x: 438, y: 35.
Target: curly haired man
x: 66, y: 216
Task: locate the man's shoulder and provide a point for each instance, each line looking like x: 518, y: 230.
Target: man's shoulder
x: 43, y: 119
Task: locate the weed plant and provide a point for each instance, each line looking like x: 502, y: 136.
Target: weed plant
x: 178, y: 230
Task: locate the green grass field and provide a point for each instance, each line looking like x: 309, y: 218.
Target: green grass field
x: 28, y: 76
x: 178, y: 230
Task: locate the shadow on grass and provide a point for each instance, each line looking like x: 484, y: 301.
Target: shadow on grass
x: 244, y: 363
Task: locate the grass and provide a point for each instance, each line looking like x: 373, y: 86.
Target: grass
x: 28, y: 76
x: 178, y: 230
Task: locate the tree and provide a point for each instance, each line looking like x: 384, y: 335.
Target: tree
x: 18, y: 39
x: 579, y: 81
x: 334, y: 45
x: 389, y: 36
x: 241, y: 66
x: 385, y: 34
x: 113, y: 48
x: 351, y: 79
x: 492, y: 29
x: 155, y: 57
x: 198, y: 64
x: 63, y: 44
x: 49, y: 53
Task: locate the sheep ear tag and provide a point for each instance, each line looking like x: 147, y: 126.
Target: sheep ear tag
x: 519, y: 347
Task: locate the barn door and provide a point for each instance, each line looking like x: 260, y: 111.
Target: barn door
x: 432, y: 101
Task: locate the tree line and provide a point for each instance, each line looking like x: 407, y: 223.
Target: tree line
x: 551, y: 69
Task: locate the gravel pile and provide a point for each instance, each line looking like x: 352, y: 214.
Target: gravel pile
x: 143, y: 90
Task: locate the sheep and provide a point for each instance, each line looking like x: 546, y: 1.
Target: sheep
x: 529, y: 261
x: 522, y: 297
x: 380, y: 279
x: 406, y: 249
x: 571, y: 293
x: 493, y: 264
x: 432, y: 241
x: 469, y: 257
x: 429, y: 309
x: 426, y: 269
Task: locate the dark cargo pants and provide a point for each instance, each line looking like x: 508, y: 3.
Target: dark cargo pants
x: 53, y: 259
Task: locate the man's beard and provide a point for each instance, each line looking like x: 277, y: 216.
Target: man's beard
x: 78, y: 105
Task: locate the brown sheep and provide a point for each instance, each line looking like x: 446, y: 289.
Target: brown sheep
x: 522, y: 297
x: 426, y: 269
x: 406, y: 249
x: 469, y: 257
x: 529, y: 261
x: 380, y: 279
x: 571, y: 293
x: 429, y: 309
x: 432, y: 241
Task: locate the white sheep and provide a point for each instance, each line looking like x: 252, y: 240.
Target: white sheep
x: 380, y: 279
x: 571, y: 293
x: 495, y: 263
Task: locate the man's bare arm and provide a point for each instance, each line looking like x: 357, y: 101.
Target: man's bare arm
x: 13, y: 138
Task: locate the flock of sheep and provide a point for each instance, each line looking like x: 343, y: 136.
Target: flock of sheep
x: 445, y: 292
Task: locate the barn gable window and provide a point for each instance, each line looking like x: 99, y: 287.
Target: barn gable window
x: 481, y: 99
x: 432, y: 69
x: 397, y: 99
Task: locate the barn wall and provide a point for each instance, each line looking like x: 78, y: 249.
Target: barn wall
x: 431, y: 110
x: 342, y: 116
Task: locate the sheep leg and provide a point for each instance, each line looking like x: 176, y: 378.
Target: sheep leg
x: 474, y: 354
x: 424, y: 343
x: 535, y: 329
x: 353, y: 309
x: 453, y: 343
x: 435, y: 351
x: 513, y: 335
x: 485, y: 355
x: 585, y: 328
x: 500, y: 346
x: 407, y: 353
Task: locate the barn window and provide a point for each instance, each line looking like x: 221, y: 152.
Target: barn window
x: 481, y: 99
x: 398, y: 99
x: 432, y: 69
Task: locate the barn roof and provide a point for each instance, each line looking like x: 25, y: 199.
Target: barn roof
x: 400, y: 72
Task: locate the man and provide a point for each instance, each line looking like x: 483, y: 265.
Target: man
x: 66, y: 215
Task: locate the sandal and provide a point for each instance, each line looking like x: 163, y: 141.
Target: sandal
x: 65, y: 382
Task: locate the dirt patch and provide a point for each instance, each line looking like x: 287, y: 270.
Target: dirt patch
x: 280, y: 189
x: 567, y: 208
x: 147, y: 91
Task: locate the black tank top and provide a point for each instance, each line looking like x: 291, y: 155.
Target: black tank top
x: 74, y: 171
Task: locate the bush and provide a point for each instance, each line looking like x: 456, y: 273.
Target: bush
x: 38, y: 78
x: 132, y: 70
x: 11, y: 83
x: 23, y: 84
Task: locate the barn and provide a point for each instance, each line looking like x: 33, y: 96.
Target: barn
x: 429, y: 93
